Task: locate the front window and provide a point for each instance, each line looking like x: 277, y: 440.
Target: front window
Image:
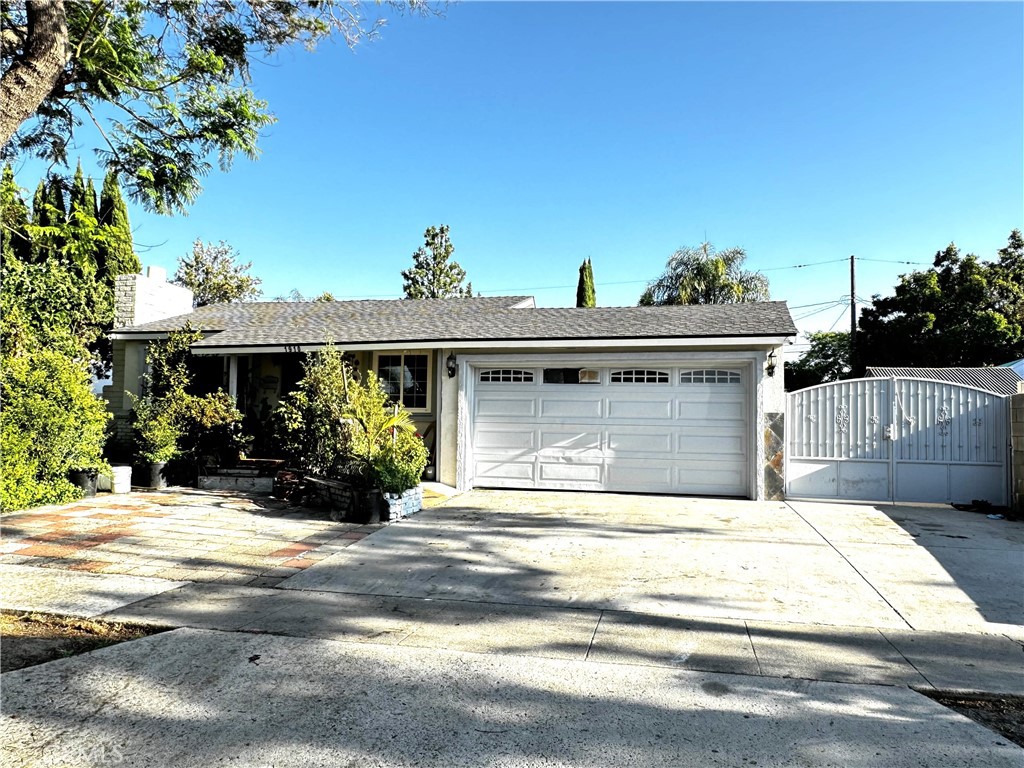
x: 405, y: 378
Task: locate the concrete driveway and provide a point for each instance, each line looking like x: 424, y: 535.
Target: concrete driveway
x: 921, y: 568
x: 521, y: 629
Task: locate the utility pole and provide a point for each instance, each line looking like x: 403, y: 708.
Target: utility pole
x: 853, y: 314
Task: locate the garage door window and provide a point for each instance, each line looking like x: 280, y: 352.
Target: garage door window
x: 709, y: 376
x: 572, y: 376
x: 405, y: 378
x: 639, y: 376
x: 506, y: 376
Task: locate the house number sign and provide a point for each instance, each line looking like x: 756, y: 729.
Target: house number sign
x: 292, y: 348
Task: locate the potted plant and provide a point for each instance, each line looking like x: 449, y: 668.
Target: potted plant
x: 85, y: 475
x: 156, y: 441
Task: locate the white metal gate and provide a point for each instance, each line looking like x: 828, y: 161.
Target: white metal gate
x: 897, y: 439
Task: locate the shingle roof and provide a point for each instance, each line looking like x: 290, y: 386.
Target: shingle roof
x: 1004, y: 381
x: 476, y: 319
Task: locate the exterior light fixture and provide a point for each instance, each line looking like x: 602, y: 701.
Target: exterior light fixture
x: 451, y: 365
x: 770, y: 368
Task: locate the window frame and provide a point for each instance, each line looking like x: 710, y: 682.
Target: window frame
x: 430, y: 374
x: 657, y: 381
x: 733, y: 377
x: 517, y: 376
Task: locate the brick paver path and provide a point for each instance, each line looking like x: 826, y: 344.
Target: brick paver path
x: 179, y: 534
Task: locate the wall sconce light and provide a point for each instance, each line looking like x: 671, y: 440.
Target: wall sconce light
x: 770, y: 368
x: 451, y: 365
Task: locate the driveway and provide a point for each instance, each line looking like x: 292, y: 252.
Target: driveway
x: 518, y: 629
x: 921, y: 568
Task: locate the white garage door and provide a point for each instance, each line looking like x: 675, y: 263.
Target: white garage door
x: 650, y: 429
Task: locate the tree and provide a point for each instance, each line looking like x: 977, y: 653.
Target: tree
x: 705, y: 276
x: 827, y: 359
x: 166, y: 83
x: 212, y: 275
x: 962, y: 312
x: 14, y: 238
x: 586, y: 296
x: 432, y: 276
x: 116, y: 255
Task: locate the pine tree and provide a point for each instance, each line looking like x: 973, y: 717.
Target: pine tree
x: 432, y: 276
x: 14, y: 239
x: 116, y: 254
x: 586, y: 295
x: 78, y: 191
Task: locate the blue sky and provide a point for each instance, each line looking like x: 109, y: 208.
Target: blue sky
x: 545, y: 133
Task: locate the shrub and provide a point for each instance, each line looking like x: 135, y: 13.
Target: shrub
x: 209, y: 426
x: 310, y: 422
x: 170, y: 423
x: 400, y: 463
x: 338, y: 426
x: 51, y: 423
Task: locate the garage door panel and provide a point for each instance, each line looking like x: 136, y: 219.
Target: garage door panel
x: 507, y: 407
x: 504, y: 470
x: 625, y: 473
x: 649, y: 441
x: 553, y: 408
x: 569, y: 440
x: 645, y: 437
x: 507, y: 439
x: 570, y: 471
x: 722, y: 412
x: 710, y: 445
x: 640, y: 409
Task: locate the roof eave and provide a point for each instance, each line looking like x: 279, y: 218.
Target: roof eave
x: 760, y: 341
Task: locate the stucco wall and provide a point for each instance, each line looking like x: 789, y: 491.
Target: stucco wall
x: 1017, y: 453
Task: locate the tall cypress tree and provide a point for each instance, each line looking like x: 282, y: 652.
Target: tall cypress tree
x: 586, y: 295
x: 91, y: 206
x: 116, y: 255
x: 78, y: 191
x: 14, y: 239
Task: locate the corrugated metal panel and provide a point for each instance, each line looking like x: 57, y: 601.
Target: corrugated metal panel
x: 1003, y: 381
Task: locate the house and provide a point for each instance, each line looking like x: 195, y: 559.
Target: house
x: 1001, y: 380
x: 685, y: 399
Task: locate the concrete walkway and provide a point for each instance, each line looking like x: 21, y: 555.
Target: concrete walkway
x: 925, y: 660
x: 199, y: 698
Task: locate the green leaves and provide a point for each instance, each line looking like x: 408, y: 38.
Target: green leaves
x: 705, y: 276
x: 212, y: 275
x: 586, y: 295
x: 176, y: 74
x: 962, y: 312
x: 432, y: 276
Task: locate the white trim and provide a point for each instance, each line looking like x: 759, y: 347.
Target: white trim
x: 678, y: 344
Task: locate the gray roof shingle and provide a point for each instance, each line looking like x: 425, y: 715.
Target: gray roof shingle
x: 476, y: 319
x: 1003, y: 381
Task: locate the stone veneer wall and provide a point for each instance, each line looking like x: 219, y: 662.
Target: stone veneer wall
x: 1017, y: 453
x: 774, y: 456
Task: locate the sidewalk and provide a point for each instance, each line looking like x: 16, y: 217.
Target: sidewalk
x: 941, y: 660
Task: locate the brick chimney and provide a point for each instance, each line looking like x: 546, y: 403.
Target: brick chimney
x: 144, y: 298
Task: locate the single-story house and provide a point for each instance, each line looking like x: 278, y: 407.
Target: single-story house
x: 1001, y: 380
x: 683, y: 399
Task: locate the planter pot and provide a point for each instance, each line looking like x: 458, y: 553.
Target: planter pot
x: 369, y: 507
x: 85, y: 479
x: 150, y: 475
x: 122, y: 480
x: 403, y: 504
x: 429, y: 473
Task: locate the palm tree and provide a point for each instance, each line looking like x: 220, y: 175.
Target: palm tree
x: 705, y: 276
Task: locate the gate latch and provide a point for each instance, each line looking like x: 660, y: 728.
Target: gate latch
x: 889, y: 432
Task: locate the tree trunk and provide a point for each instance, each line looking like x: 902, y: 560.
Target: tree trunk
x: 34, y: 74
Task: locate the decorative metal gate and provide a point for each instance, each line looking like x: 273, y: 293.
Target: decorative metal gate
x: 897, y: 440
